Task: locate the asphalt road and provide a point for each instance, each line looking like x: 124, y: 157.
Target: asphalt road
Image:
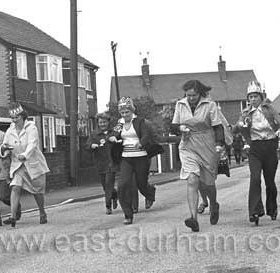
x: 81, y: 238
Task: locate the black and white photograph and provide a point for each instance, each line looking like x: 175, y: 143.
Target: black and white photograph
x: 139, y: 136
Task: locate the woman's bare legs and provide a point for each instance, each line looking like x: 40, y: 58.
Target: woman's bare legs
x: 192, y: 194
x: 15, y: 198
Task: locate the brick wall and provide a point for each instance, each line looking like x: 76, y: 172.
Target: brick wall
x: 58, y: 163
x: 4, y: 76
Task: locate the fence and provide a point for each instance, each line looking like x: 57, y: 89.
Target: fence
x: 59, y: 163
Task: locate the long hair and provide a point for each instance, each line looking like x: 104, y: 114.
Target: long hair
x: 197, y: 86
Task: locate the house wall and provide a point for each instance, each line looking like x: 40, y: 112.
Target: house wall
x: 4, y: 79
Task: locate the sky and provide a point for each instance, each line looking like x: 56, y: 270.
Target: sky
x: 178, y: 36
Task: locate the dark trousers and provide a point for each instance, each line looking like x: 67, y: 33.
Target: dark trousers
x: 263, y: 157
x: 140, y: 167
x: 135, y: 195
x: 237, y: 155
x: 108, y: 183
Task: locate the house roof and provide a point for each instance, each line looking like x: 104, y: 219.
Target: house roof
x: 21, y: 33
x: 276, y: 103
x: 167, y: 88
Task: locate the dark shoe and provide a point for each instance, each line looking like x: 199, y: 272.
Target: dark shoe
x: 254, y: 219
x: 193, y: 224
x: 214, y: 214
x: 115, y: 203
x: 13, y: 222
x: 8, y: 221
x: 127, y: 221
x: 274, y: 216
x: 18, y: 213
x: 135, y: 210
x: 43, y: 219
x: 148, y: 203
x: 108, y: 211
x: 202, y: 208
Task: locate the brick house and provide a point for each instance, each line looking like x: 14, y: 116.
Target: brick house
x: 229, y: 88
x: 35, y: 70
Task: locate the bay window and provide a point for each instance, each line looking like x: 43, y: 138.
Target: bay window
x: 49, y: 68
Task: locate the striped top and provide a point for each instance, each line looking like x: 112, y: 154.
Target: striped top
x: 130, y: 141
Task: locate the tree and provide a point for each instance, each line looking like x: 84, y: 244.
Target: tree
x: 146, y: 108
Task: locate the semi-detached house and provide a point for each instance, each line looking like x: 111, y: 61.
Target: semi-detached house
x: 35, y: 71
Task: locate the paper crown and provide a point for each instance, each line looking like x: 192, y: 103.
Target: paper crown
x: 16, y: 111
x: 126, y: 102
x: 254, y: 87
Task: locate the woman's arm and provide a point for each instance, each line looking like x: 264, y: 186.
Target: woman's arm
x: 32, y: 141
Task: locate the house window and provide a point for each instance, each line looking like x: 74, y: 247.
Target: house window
x: 48, y: 133
x: 60, y: 126
x: 21, y: 65
x: 49, y: 68
x: 81, y: 75
x: 87, y: 79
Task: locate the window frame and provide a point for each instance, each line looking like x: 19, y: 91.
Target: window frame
x: 48, y: 132
x: 52, y: 67
x: 21, y: 61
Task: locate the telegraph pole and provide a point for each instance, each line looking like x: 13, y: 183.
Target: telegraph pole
x: 74, y: 138
x: 114, y: 48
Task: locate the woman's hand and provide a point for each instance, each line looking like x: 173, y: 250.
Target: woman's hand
x: 184, y: 129
x: 112, y: 139
x: 6, y: 147
x: 21, y: 158
x: 94, y: 146
x: 246, y: 148
x: 219, y: 149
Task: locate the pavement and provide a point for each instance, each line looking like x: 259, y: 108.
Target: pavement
x: 59, y: 197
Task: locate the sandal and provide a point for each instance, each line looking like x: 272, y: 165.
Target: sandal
x: 201, y: 208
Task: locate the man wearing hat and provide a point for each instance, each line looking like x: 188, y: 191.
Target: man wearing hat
x: 258, y: 124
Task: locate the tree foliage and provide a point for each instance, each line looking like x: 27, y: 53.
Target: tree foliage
x: 146, y: 108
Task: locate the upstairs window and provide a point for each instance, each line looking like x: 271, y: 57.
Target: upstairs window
x: 87, y: 79
x: 81, y: 75
x: 49, y: 68
x: 21, y: 65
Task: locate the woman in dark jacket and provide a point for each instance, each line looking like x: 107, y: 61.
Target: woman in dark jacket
x: 134, y: 134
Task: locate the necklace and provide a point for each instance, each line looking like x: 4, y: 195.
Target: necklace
x: 127, y: 125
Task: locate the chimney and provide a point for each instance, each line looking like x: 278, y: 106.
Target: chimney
x: 222, y: 69
x: 146, y: 73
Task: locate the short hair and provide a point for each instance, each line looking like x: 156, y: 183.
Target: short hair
x: 197, y: 86
x: 103, y: 115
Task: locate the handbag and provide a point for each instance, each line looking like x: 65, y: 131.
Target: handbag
x: 223, y: 167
